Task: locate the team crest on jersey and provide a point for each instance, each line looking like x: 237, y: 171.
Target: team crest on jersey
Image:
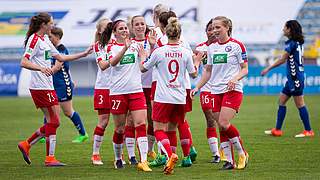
x: 47, y: 55
x: 219, y: 58
x: 228, y: 48
x: 127, y: 59
x: 244, y: 55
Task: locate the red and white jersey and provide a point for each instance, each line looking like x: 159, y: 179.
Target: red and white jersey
x: 39, y: 50
x: 103, y: 77
x: 171, y: 61
x: 126, y: 75
x: 225, y: 60
x: 203, y: 47
x: 162, y: 40
x: 146, y: 78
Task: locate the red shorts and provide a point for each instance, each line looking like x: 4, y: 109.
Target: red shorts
x: 206, y: 101
x: 165, y: 112
x: 153, y: 90
x: 101, y: 99
x: 120, y: 104
x: 188, y: 106
x: 231, y: 99
x: 44, y: 98
x: 147, y: 94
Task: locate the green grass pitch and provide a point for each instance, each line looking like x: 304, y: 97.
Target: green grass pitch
x: 278, y: 158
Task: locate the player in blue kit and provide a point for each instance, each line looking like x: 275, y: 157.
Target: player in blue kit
x: 63, y: 85
x: 294, y: 86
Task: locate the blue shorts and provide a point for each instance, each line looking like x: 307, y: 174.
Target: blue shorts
x: 295, y: 91
x: 64, y: 93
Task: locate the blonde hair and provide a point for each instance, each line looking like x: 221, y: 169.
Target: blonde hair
x: 173, y: 29
x: 98, y: 28
x: 226, y: 23
x: 158, y: 9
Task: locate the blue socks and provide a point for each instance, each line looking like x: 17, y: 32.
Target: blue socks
x: 304, y: 115
x: 281, y: 115
x: 75, y: 118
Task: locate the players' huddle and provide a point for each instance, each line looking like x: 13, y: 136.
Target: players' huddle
x: 144, y: 76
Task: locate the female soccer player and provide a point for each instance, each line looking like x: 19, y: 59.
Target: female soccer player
x: 206, y: 100
x: 295, y: 75
x: 227, y: 65
x: 141, y: 36
x: 171, y: 61
x: 37, y: 58
x: 126, y: 92
x: 101, y: 89
x: 63, y: 85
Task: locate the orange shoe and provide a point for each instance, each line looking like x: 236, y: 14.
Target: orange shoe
x: 274, y: 132
x: 305, y: 133
x: 24, y: 147
x: 168, y: 169
x: 96, y: 159
x: 51, y: 162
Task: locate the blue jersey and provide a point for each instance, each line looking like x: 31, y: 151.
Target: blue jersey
x: 62, y: 80
x: 295, y: 69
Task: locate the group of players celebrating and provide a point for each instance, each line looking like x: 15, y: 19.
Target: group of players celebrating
x: 143, y: 76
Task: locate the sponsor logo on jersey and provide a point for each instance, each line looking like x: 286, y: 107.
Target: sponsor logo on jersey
x: 244, y: 56
x: 127, y: 59
x: 47, y: 55
x: 219, y: 58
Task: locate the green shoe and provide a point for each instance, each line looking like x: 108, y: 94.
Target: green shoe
x: 42, y: 140
x: 186, y: 162
x: 80, y: 138
x: 193, y: 154
x: 159, y: 161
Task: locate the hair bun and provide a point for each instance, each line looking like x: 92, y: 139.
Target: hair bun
x: 173, y: 20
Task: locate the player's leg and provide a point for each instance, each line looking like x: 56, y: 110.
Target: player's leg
x: 130, y: 140
x: 68, y: 111
x: 304, y: 116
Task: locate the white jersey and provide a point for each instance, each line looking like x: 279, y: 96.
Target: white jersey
x: 162, y: 39
x: 146, y: 78
x: 39, y: 50
x: 126, y: 75
x: 171, y: 61
x: 103, y: 77
x: 225, y: 60
x: 203, y: 47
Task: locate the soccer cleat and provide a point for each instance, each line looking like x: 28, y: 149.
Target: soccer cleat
x: 118, y: 164
x: 274, y: 132
x: 215, y: 159
x: 80, y: 138
x: 143, y: 166
x: 193, y: 153
x: 159, y: 161
x: 168, y: 169
x: 305, y: 133
x: 96, y: 159
x: 222, y: 156
x: 243, y: 161
x: 133, y: 161
x: 152, y: 155
x: 186, y: 162
x: 24, y: 147
x: 42, y: 140
x: 227, y: 166
x: 52, y: 162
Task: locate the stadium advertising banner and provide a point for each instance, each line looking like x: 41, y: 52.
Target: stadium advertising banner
x: 9, y: 77
x: 261, y: 24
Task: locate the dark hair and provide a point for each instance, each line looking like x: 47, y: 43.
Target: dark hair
x: 57, y: 32
x: 208, y: 24
x: 226, y: 22
x: 35, y: 24
x: 106, y: 34
x: 163, y: 18
x: 295, y: 31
